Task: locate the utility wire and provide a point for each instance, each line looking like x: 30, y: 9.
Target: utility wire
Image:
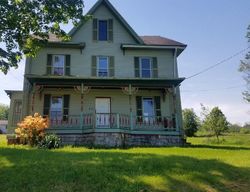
x: 206, y: 90
x: 221, y: 62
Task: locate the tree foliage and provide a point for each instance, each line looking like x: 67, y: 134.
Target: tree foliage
x: 190, y: 122
x: 215, y: 122
x: 245, y: 69
x: 25, y: 26
x: 4, y: 112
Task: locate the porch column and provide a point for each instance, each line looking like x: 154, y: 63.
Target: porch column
x: 130, y: 91
x: 84, y: 90
x: 36, y: 89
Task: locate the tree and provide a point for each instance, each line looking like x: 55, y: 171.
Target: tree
x: 215, y: 122
x: 25, y: 26
x: 4, y: 111
x: 190, y: 122
x: 245, y: 69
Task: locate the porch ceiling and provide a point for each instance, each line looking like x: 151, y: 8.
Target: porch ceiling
x: 103, y: 82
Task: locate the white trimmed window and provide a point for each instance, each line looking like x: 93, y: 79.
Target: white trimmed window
x: 146, y: 67
x: 58, y: 64
x: 102, y: 66
x: 56, y: 108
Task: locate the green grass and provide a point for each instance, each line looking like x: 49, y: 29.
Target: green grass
x: 200, y: 167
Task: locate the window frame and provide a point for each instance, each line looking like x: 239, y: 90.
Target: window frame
x: 17, y: 111
x: 153, y: 105
x: 53, y: 67
x: 150, y: 65
x: 50, y: 110
x: 98, y: 66
x: 99, y: 29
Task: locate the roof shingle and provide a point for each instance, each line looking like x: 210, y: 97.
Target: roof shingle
x: 158, y: 40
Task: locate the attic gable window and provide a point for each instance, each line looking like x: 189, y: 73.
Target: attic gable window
x: 103, y: 30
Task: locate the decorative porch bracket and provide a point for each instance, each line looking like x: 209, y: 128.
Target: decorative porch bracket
x: 130, y: 91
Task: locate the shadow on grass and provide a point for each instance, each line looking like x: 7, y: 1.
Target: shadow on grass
x: 97, y: 170
x: 218, y: 147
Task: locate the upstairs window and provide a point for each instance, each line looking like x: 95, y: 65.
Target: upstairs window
x: 103, y: 30
x: 146, y: 67
x: 103, y: 66
x: 58, y: 65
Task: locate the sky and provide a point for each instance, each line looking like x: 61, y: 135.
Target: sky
x: 213, y: 30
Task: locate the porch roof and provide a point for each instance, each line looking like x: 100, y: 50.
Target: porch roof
x: 103, y: 82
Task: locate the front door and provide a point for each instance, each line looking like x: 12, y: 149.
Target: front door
x: 102, y: 108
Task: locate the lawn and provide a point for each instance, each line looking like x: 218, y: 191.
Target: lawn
x: 203, y: 166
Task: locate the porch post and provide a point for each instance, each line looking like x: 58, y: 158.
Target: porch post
x: 118, y: 120
x: 83, y: 91
x: 81, y: 114
x: 130, y: 107
x: 130, y: 91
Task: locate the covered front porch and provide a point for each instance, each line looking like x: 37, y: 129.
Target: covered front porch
x: 136, y: 106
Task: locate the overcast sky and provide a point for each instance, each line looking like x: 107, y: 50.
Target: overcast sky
x: 213, y: 30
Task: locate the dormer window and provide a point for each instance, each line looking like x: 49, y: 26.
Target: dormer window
x: 103, y: 30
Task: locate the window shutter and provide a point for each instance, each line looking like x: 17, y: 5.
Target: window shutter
x: 49, y: 64
x: 139, y: 106
x: 157, y: 100
x: 95, y: 27
x: 137, y: 67
x: 46, y: 104
x: 66, y: 107
x: 94, y: 66
x: 110, y: 29
x: 155, y: 67
x: 67, y: 66
x: 111, y: 66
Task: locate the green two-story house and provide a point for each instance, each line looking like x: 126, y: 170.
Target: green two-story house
x: 106, y: 86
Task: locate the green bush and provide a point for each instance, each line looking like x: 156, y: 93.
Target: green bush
x: 245, y: 130
x: 50, y: 141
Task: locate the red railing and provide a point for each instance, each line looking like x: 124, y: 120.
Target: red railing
x: 115, y: 121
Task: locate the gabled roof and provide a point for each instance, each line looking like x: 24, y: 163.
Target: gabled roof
x: 115, y: 13
x: 158, y: 40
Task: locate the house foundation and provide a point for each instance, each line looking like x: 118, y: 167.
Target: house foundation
x: 121, y: 140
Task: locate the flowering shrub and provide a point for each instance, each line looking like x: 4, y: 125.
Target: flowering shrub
x: 32, y: 129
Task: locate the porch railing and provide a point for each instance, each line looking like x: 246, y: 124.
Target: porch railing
x: 114, y: 121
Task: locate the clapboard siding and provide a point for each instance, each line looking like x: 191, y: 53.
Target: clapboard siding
x: 81, y: 62
x: 119, y: 101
